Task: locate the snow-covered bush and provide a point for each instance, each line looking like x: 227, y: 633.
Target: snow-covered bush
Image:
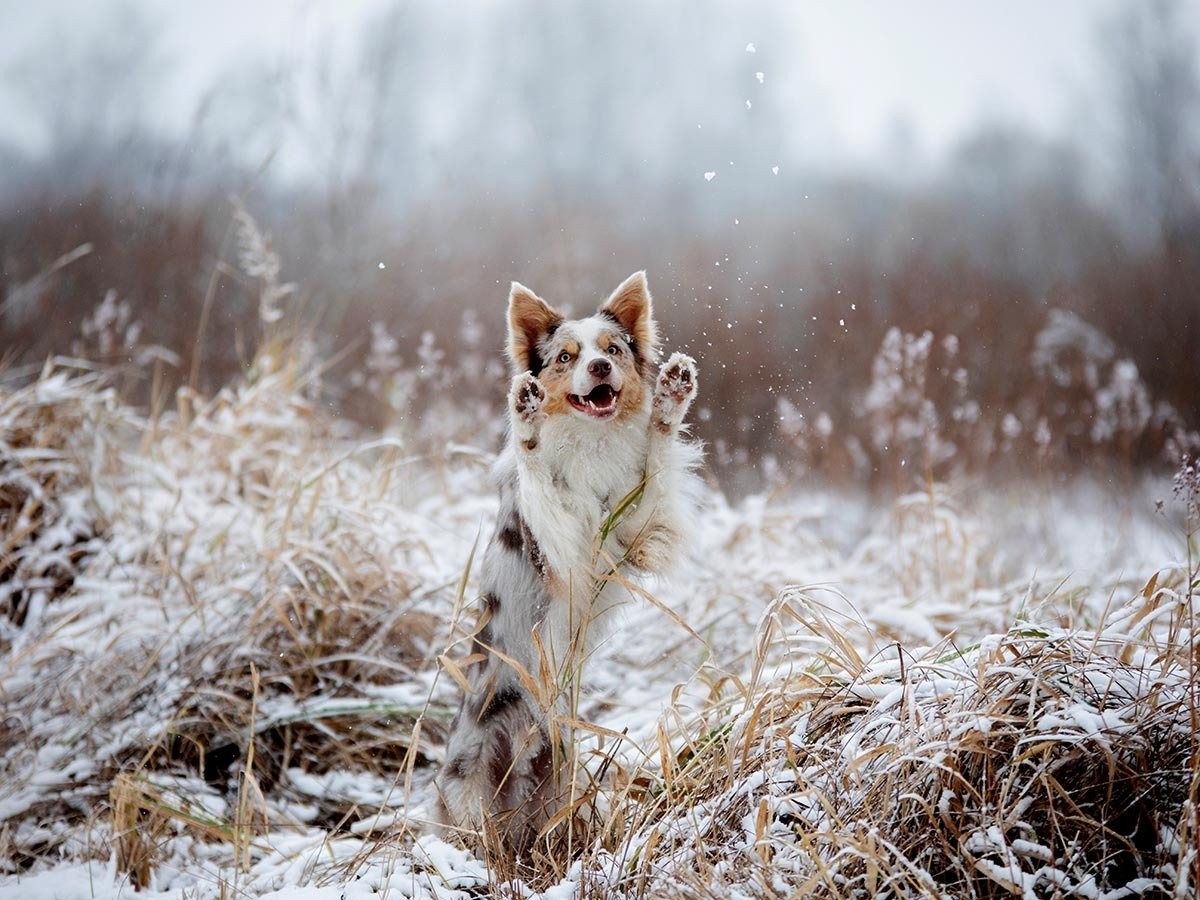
x: 222, y: 627
x: 1092, y: 394
x: 238, y: 686
x: 55, y: 433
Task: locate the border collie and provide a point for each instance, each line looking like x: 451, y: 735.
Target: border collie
x: 596, y: 479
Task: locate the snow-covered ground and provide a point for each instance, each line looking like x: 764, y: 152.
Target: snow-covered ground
x: 220, y: 633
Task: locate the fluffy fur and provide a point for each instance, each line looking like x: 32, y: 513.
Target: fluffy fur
x: 595, y: 479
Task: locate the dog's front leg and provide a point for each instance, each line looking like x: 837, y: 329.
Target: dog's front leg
x: 525, y: 399
x: 653, y: 535
x: 673, y: 394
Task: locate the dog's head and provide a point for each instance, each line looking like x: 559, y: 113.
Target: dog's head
x: 598, y: 368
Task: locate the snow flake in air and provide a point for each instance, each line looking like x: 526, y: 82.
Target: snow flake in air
x: 709, y: 176
x: 760, y: 76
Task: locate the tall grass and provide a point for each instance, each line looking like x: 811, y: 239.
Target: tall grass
x: 220, y: 626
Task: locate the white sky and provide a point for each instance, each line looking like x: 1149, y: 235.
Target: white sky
x: 939, y: 65
x: 945, y: 64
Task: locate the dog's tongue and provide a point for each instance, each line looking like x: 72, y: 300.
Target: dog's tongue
x: 599, y: 401
x: 601, y: 395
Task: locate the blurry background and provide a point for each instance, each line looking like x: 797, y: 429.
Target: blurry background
x: 899, y: 238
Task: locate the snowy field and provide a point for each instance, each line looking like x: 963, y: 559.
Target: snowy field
x: 220, y: 630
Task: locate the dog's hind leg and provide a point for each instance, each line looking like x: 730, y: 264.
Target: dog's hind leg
x: 499, y: 779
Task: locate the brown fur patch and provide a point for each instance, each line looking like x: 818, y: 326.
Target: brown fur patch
x: 632, y: 396
x: 499, y: 763
x: 530, y: 318
x: 533, y: 549
x: 510, y: 535
x: 501, y: 700
x: 556, y: 377
x: 631, y: 306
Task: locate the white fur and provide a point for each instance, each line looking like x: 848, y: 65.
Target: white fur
x: 579, y: 471
x: 588, y: 332
x: 548, y: 582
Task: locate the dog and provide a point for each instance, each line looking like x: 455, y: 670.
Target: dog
x: 597, y: 477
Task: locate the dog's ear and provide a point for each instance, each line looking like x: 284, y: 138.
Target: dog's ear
x: 530, y: 318
x: 630, y: 306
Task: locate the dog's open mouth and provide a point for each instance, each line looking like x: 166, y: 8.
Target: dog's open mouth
x: 600, y: 403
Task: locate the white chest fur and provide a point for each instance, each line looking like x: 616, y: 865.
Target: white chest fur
x: 584, y: 471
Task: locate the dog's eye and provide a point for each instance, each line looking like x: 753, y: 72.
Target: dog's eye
x: 614, y: 349
x: 564, y: 357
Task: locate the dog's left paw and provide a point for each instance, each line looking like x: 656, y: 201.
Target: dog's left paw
x: 676, y: 388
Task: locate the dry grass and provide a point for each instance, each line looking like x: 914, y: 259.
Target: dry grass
x: 1037, y: 764
x: 247, y: 613
x: 45, y: 533
x: 219, y: 657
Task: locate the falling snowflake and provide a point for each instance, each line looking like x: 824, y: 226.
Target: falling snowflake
x: 760, y: 76
x: 774, y: 170
x: 750, y: 47
x: 709, y: 176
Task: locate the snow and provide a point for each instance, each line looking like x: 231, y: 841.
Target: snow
x: 95, y: 881
x: 247, y: 513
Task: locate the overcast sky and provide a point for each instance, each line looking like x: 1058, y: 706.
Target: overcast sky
x: 938, y: 66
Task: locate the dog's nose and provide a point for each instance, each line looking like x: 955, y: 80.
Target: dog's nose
x: 599, y: 368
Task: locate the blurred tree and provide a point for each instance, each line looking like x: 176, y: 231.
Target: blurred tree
x: 88, y: 95
x: 1021, y: 207
x: 1150, y: 55
x: 1150, y: 61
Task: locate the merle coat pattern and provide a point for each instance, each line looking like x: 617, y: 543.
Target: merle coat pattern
x: 591, y: 426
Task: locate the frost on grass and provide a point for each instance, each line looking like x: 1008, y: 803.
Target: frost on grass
x: 1034, y: 762
x: 254, y: 585
x: 220, y: 629
x: 258, y: 259
x: 51, y: 431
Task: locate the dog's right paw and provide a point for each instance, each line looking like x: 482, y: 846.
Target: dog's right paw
x: 525, y: 399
